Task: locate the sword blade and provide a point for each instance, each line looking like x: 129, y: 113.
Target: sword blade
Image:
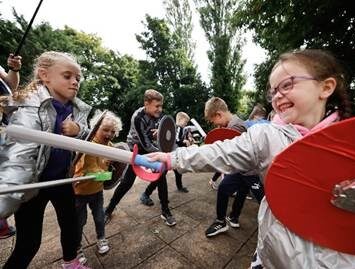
x: 42, y: 185
x: 68, y: 143
x: 199, y: 128
x: 73, y: 144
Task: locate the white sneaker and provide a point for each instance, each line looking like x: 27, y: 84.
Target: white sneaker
x: 213, y: 184
x: 81, y: 256
x: 102, y: 246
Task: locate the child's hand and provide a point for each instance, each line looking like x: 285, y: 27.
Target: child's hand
x: 14, y: 62
x: 157, y: 156
x: 186, y: 142
x: 154, y: 133
x: 70, y: 128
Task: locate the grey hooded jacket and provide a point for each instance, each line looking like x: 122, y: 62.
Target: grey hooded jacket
x: 254, y: 150
x: 22, y: 162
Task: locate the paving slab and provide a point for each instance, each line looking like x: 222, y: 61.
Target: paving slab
x: 139, y: 238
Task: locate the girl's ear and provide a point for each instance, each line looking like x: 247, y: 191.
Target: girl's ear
x: 43, y: 74
x: 328, y: 88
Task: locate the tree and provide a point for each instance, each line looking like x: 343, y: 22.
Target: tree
x: 175, y: 75
x: 108, y: 77
x: 179, y: 18
x: 286, y: 25
x: 216, y: 18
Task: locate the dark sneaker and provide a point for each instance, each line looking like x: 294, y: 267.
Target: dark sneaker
x: 233, y: 222
x: 145, y: 199
x: 183, y: 189
x: 217, y: 227
x: 7, y: 232
x: 108, y: 218
x: 168, y: 217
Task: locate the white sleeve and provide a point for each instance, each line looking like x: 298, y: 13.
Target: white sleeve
x: 229, y: 156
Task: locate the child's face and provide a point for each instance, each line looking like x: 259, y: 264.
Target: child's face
x: 182, y: 122
x: 219, y: 119
x: 153, y: 108
x: 62, y: 80
x: 106, y: 131
x: 304, y: 101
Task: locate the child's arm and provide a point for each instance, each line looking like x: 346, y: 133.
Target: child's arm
x: 13, y: 77
x: 143, y: 134
x: 18, y: 162
x: 229, y: 156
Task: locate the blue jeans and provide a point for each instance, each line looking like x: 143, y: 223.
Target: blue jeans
x: 96, y: 204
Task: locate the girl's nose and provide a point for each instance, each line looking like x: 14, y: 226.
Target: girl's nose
x: 277, y: 95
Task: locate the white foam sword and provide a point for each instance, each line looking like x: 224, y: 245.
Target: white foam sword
x: 59, y: 141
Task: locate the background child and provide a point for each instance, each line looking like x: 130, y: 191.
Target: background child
x: 181, y: 141
x: 217, y: 112
x: 231, y: 183
x: 90, y: 192
x: 308, y: 91
x: 12, y: 79
x: 47, y: 104
x: 142, y: 132
x: 257, y: 115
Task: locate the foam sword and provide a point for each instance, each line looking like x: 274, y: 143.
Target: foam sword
x: 59, y: 141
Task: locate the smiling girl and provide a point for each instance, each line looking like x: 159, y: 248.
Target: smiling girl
x: 308, y: 91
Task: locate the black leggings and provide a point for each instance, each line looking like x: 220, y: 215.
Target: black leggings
x: 122, y: 188
x: 162, y: 191
x: 29, y: 223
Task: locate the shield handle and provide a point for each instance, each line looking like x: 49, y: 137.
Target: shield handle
x: 139, y: 160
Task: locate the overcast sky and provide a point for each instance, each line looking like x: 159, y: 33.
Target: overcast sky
x: 117, y: 22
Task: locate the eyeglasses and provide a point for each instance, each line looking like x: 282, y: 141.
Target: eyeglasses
x: 285, y: 86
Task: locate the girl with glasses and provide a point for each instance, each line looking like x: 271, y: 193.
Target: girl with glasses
x: 308, y: 91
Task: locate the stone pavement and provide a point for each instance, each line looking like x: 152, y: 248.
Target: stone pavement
x: 139, y: 238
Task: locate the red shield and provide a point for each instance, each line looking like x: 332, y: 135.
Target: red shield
x: 220, y: 134
x: 300, y: 182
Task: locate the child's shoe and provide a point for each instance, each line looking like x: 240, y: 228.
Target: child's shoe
x: 75, y: 264
x: 7, y: 231
x: 146, y: 200
x: 102, y: 246
x: 81, y: 256
x: 168, y: 217
x: 217, y: 227
x: 183, y: 189
x: 213, y: 184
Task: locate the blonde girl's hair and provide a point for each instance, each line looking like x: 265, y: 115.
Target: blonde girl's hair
x: 45, y: 60
x: 322, y: 64
x: 182, y: 115
x: 213, y: 105
x: 117, y: 123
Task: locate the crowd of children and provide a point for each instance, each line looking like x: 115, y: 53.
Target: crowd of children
x: 307, y: 91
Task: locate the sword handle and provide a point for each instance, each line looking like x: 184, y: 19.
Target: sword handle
x: 143, y: 161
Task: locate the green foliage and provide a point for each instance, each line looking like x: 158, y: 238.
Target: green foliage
x: 172, y: 70
x: 285, y: 25
x: 179, y: 18
x: 216, y: 18
x: 108, y: 76
x: 110, y: 80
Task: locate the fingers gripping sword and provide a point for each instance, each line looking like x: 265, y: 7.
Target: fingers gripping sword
x: 72, y: 144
